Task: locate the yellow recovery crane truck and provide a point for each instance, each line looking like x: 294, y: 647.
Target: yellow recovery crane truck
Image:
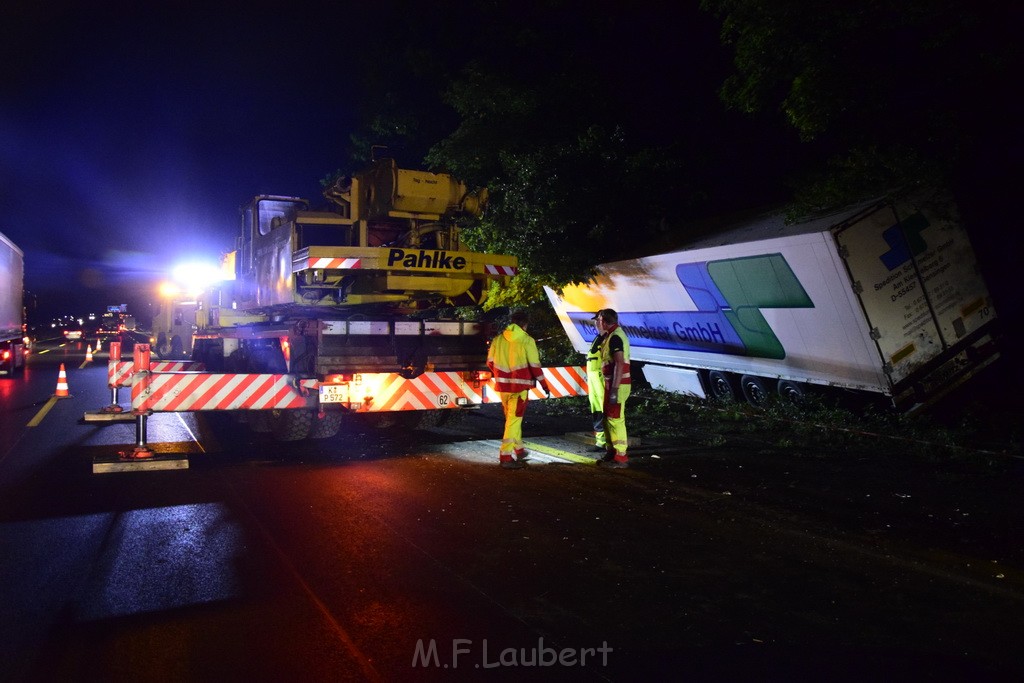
x: 355, y: 306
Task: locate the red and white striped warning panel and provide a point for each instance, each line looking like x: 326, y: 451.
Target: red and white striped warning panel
x: 186, y: 392
x: 500, y: 270
x: 177, y: 366
x: 383, y: 391
x: 563, y: 381
x: 119, y: 373
x: 327, y: 263
x: 569, y: 380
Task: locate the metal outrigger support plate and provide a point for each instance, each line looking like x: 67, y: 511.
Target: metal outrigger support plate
x: 162, y: 461
x: 100, y: 416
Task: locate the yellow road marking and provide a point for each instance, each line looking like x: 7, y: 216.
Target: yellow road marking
x: 34, y: 422
x: 548, y: 450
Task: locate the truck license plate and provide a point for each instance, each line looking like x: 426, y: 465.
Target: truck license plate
x: 333, y: 393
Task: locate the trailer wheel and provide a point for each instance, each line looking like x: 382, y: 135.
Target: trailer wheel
x: 755, y: 390
x: 720, y: 386
x: 794, y: 393
x: 328, y: 426
x: 291, y: 425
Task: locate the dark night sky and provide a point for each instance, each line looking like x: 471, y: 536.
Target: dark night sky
x: 129, y: 137
x: 128, y: 140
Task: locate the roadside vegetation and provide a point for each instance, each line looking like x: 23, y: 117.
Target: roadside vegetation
x: 970, y: 427
x: 820, y: 429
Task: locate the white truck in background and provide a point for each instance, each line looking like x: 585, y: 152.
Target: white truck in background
x: 885, y: 298
x: 12, y: 309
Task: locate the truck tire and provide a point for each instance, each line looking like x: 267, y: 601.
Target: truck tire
x: 208, y: 352
x: 327, y: 426
x: 755, y: 390
x: 291, y: 425
x: 162, y: 347
x: 794, y: 393
x: 720, y: 386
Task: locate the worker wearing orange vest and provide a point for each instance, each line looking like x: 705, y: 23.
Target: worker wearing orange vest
x: 515, y: 364
x: 614, y: 354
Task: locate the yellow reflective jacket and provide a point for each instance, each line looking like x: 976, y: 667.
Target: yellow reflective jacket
x: 514, y: 360
x: 608, y: 360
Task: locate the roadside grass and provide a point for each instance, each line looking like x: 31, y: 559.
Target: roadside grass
x: 818, y: 428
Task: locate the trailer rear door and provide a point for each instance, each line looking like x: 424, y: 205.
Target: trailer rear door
x: 917, y: 278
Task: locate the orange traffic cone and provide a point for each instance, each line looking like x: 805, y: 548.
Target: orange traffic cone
x: 62, y: 384
x: 88, y: 354
x: 99, y: 345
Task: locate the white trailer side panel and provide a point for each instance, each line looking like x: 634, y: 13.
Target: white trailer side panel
x: 779, y: 307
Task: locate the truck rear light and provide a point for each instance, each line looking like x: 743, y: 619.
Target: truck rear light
x: 482, y: 375
x: 338, y: 379
x: 5, y: 354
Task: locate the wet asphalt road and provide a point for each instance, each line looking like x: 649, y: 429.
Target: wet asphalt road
x: 398, y: 555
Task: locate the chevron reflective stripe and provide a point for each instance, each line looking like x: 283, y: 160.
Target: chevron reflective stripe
x: 327, y: 263
x: 563, y: 381
x: 500, y: 270
x: 119, y: 373
x: 428, y: 391
x: 186, y: 392
x: 176, y: 366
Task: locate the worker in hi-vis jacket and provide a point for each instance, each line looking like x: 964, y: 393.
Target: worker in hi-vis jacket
x: 515, y: 364
x: 614, y: 352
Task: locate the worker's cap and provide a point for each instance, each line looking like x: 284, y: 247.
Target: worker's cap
x: 607, y: 315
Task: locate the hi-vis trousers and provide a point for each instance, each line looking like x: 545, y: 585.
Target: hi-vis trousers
x: 595, y: 392
x: 615, y: 421
x: 514, y: 405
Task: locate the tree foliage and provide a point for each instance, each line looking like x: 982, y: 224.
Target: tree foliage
x: 893, y: 89
x: 598, y: 128
x: 541, y: 117
x: 567, y: 190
